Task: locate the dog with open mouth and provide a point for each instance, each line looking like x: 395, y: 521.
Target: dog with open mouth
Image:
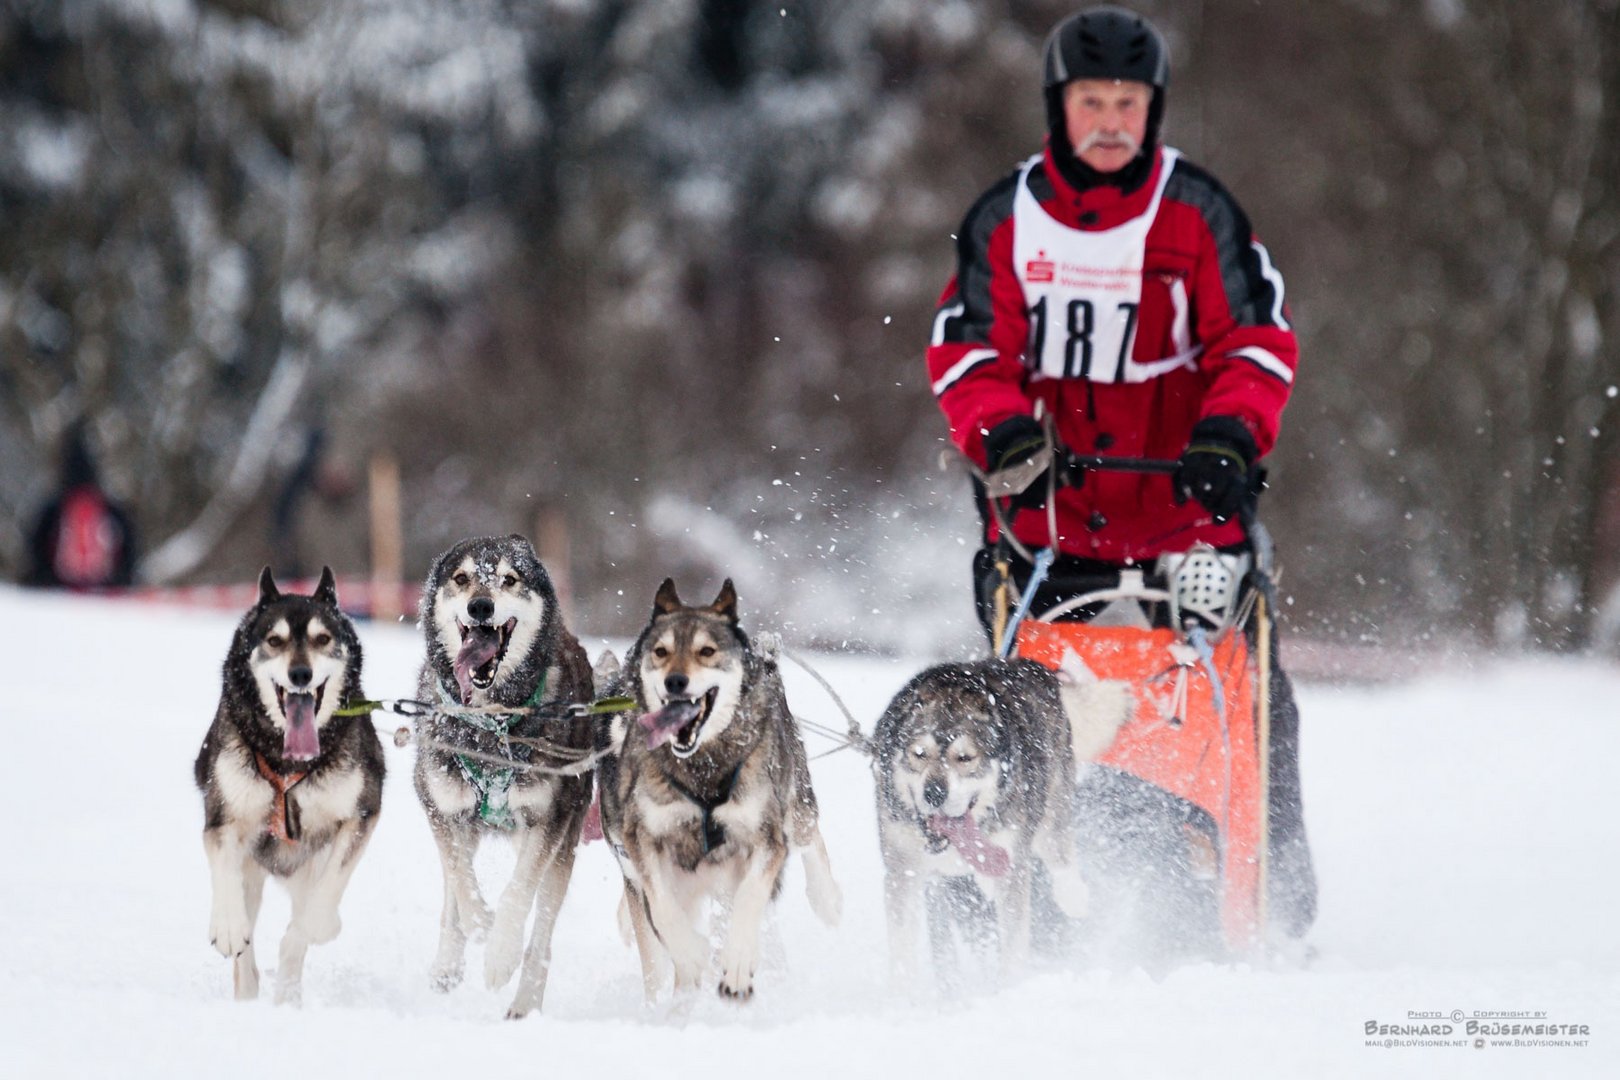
x: 975, y: 766
x: 290, y: 789
x: 496, y: 639
x: 708, y: 794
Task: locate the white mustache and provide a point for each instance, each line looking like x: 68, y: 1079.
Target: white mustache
x: 1098, y: 138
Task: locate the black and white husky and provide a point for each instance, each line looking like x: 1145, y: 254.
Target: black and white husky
x: 976, y: 781
x: 495, y: 637
x: 709, y: 793
x: 288, y: 788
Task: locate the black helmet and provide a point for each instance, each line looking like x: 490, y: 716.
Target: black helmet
x: 1103, y: 43
x: 1106, y: 43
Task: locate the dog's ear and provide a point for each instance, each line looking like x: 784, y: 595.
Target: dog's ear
x: 726, y: 603
x: 326, y: 591
x: 666, y: 601
x: 268, y: 592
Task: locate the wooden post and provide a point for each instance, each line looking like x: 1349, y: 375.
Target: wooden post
x: 387, y: 538
x: 551, y: 544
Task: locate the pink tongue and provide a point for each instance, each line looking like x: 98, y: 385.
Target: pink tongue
x: 963, y: 833
x: 301, y: 742
x: 662, y: 725
x: 592, y: 829
x: 479, y: 648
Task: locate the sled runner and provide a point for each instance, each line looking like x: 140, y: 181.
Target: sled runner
x: 1191, y: 634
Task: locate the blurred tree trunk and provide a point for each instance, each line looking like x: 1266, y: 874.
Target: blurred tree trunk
x: 1548, y: 79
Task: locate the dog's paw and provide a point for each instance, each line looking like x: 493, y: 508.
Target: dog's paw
x: 737, y: 965
x: 531, y: 994
x: 679, y: 1009
x: 290, y: 992
x: 446, y: 977
x: 736, y: 989
x: 229, y: 929
x: 501, y: 955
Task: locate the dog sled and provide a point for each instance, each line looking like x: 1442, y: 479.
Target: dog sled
x: 1192, y: 636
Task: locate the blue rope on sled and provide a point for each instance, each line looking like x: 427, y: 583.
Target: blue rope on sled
x: 1037, y: 576
x: 1206, y: 657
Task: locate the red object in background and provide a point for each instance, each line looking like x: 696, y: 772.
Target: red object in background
x: 89, y: 540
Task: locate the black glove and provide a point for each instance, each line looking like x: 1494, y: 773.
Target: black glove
x: 1214, y: 469
x: 1013, y: 442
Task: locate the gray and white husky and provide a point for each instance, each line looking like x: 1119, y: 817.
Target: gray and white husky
x: 288, y: 788
x: 975, y: 768
x: 708, y: 794
x: 495, y: 637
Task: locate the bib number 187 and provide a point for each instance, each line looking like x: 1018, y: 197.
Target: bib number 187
x: 1077, y: 344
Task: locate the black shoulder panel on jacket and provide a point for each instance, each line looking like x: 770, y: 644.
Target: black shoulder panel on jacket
x: 1253, y: 287
x: 1040, y: 185
x: 973, y: 264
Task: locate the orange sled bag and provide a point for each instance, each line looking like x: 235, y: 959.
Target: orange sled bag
x: 1197, y: 737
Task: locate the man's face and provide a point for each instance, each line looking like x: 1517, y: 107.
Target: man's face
x: 1107, y: 120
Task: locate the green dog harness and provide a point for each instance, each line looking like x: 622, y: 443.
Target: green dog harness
x: 493, y: 782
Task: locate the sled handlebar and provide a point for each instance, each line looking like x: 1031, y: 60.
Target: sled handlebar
x: 1059, y: 466
x: 1073, y: 464
x: 1071, y: 467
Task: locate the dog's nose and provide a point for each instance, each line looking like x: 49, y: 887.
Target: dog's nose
x: 299, y: 675
x: 675, y: 684
x: 481, y: 608
x: 934, y: 794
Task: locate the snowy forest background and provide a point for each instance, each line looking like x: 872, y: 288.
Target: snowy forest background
x: 667, y: 267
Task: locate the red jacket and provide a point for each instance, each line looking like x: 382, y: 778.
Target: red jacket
x: 1208, y: 294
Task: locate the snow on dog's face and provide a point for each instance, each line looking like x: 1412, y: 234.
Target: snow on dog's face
x: 948, y: 762
x: 301, y: 651
x: 691, y: 670
x: 487, y: 605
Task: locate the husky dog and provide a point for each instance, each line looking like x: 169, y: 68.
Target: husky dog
x: 709, y: 792
x: 288, y: 788
x: 495, y: 637
x: 975, y: 771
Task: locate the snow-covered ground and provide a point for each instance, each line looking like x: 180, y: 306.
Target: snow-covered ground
x: 1464, y: 827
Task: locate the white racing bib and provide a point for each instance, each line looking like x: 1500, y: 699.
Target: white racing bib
x: 1082, y: 291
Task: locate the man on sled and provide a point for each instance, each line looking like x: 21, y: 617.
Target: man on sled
x: 1113, y: 290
